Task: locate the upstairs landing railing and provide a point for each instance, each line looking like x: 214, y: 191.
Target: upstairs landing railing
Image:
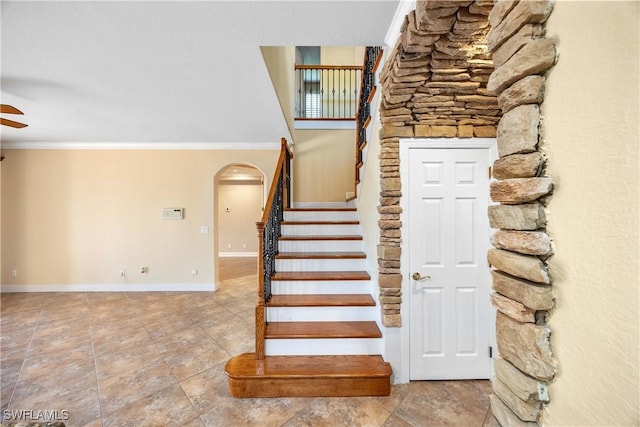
x: 327, y: 92
x: 268, y: 234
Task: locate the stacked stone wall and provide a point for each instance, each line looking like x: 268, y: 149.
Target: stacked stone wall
x: 435, y: 83
x: 477, y: 69
x: 521, y: 279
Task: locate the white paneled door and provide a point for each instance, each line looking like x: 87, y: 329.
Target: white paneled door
x: 450, y: 311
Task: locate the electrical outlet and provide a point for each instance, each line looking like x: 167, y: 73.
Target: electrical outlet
x: 144, y: 270
x: 194, y: 271
x: 123, y: 273
x: 14, y: 273
x: 229, y: 246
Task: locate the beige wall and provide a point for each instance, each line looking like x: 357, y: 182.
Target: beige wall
x: 324, y: 165
x: 591, y: 133
x: 239, y: 208
x: 341, y: 55
x: 76, y: 217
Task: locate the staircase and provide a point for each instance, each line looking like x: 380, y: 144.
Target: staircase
x: 321, y: 338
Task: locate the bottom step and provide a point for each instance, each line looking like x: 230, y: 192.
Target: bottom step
x: 308, y: 376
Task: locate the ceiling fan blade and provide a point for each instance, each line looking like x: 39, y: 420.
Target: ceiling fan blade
x: 11, y: 123
x: 9, y: 109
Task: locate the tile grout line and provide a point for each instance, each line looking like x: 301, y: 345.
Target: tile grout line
x: 24, y: 358
x: 393, y: 413
x: 95, y: 362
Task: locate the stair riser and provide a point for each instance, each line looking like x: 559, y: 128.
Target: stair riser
x: 321, y: 216
x: 319, y: 314
x: 285, y: 265
x: 330, y: 346
x: 320, y: 230
x: 301, y: 287
x: 320, y: 245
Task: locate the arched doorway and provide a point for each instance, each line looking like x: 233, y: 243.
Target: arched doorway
x: 239, y: 196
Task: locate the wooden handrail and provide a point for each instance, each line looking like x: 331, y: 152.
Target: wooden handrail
x: 274, y: 184
x: 277, y: 201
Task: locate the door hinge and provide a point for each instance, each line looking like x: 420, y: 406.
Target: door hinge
x: 490, y: 352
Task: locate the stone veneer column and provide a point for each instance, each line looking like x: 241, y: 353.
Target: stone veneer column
x: 389, y: 277
x: 472, y: 68
x: 521, y: 280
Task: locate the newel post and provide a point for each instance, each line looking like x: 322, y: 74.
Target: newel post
x: 260, y: 324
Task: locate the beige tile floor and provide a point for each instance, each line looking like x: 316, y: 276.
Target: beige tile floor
x: 157, y: 358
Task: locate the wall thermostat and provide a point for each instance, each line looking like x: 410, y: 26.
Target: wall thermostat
x: 172, y: 213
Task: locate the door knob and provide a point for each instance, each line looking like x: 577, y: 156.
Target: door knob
x: 417, y: 276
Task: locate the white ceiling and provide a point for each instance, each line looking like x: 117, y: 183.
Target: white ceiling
x: 164, y: 72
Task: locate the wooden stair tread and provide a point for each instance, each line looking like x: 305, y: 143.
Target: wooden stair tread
x: 321, y: 275
x: 321, y: 255
x: 308, y: 376
x: 322, y: 237
x: 356, y: 329
x: 320, y: 222
x: 307, y: 366
x: 322, y: 300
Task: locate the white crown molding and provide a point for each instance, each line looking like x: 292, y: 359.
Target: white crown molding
x: 119, y: 287
x: 403, y: 9
x: 141, y: 145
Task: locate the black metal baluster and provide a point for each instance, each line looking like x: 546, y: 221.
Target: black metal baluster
x: 339, y: 91
x: 344, y: 94
x: 333, y: 93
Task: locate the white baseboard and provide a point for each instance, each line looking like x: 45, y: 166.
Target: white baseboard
x: 120, y: 287
x: 237, y: 254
